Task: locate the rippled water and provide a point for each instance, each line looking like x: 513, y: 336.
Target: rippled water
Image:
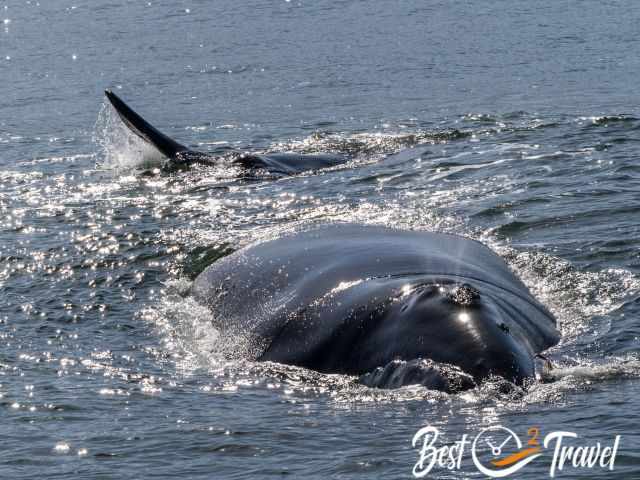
x: 513, y: 123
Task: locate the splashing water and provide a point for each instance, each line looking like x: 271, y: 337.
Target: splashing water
x: 121, y: 149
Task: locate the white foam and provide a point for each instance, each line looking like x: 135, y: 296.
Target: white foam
x: 590, y: 371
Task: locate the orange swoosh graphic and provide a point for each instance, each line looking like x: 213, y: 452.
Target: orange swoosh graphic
x: 505, y: 462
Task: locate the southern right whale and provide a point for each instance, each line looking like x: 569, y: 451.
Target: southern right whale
x: 179, y: 155
x: 393, y: 306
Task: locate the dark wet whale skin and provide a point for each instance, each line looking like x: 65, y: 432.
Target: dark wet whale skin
x: 346, y: 298
x: 179, y: 156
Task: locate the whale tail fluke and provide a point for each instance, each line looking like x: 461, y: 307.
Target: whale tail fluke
x: 143, y: 129
x: 180, y: 156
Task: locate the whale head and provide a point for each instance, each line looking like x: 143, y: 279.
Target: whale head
x: 458, y: 323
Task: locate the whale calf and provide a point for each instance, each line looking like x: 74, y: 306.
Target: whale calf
x: 394, y: 307
x: 179, y: 155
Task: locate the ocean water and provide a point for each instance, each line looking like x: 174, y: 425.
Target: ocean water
x: 515, y: 123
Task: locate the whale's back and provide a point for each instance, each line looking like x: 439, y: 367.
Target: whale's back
x: 255, y: 288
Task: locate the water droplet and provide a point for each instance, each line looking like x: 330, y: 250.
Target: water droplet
x: 61, y: 447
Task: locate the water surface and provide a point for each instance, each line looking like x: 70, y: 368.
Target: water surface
x: 523, y: 127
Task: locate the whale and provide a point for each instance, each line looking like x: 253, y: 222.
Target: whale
x: 389, y: 306
x: 179, y: 156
